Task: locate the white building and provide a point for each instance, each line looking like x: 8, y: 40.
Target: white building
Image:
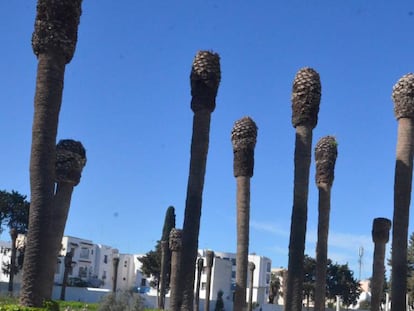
x: 224, y: 277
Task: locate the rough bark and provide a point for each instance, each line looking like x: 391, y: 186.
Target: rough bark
x: 200, y: 264
x: 13, y: 235
x: 37, y: 279
x: 243, y: 218
x: 302, y: 159
x: 380, y: 235
x: 175, y: 247
x: 163, y: 274
x: 191, y: 227
x: 252, y: 267
x: 209, y: 266
x: 324, y: 207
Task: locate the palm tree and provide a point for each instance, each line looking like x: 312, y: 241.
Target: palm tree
x: 306, y: 95
x: 54, y: 41
x: 252, y: 267
x: 67, y: 268
x: 209, y: 266
x: 243, y: 137
x: 380, y: 235
x: 200, y: 265
x: 175, y: 243
x: 163, y: 273
x: 205, y: 78
x: 403, y: 96
x: 325, y: 157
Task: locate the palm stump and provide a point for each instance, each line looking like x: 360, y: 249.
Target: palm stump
x: 54, y: 40
x: 243, y: 137
x: 205, y: 79
x: 325, y: 157
x: 380, y: 235
x: 209, y: 266
x: 252, y: 267
x: 306, y: 95
x: 403, y: 96
x: 175, y: 243
x: 200, y: 265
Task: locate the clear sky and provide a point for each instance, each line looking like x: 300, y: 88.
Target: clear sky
x: 127, y: 98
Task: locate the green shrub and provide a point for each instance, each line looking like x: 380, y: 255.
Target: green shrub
x: 122, y: 301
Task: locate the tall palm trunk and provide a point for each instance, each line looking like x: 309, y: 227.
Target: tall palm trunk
x: 380, y: 235
x: 205, y: 78
x: 115, y: 265
x: 209, y: 266
x: 13, y: 235
x: 67, y: 268
x: 403, y: 96
x: 252, y: 267
x: 175, y: 247
x: 325, y: 156
x: 200, y: 264
x: 54, y: 40
x: 306, y: 96
x: 243, y: 138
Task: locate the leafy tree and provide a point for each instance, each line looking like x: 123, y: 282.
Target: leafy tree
x: 15, y: 215
x: 309, y: 276
x: 151, y: 261
x: 341, y: 282
x: 274, y: 288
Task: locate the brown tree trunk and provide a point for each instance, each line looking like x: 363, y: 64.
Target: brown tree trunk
x: 302, y: 159
x: 322, y: 246
x: 200, y: 264
x: 191, y: 227
x: 115, y: 264
x: 68, y: 268
x: 175, y: 247
x: 38, y: 276
x: 402, y: 198
x: 209, y: 266
x: 243, y: 218
x: 252, y: 267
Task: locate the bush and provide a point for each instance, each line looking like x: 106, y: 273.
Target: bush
x: 122, y: 301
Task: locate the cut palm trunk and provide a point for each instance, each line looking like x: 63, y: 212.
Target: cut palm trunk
x: 403, y: 96
x: 306, y: 95
x: 243, y: 137
x: 380, y: 235
x: 205, y: 78
x: 54, y: 41
x: 325, y: 157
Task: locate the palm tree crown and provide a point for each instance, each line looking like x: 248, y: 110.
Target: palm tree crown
x: 381, y: 230
x: 243, y: 138
x: 56, y: 27
x: 325, y: 156
x: 306, y: 97
x: 70, y: 160
x: 403, y: 96
x: 205, y: 79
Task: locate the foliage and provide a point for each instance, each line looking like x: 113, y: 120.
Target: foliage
x: 309, y: 270
x: 219, y: 302
x: 14, y: 210
x: 122, y: 301
x: 274, y: 287
x: 365, y: 305
x: 151, y: 261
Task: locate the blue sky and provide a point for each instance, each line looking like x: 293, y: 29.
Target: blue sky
x: 127, y: 98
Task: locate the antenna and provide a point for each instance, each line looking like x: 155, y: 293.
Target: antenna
x: 360, y: 255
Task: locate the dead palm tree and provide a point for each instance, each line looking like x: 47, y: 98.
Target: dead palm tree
x: 403, y: 96
x: 205, y: 78
x: 252, y: 267
x: 380, y: 235
x: 163, y: 274
x: 200, y: 265
x: 175, y: 243
x: 306, y: 95
x: 325, y: 157
x: 243, y: 137
x: 209, y: 267
x: 54, y: 40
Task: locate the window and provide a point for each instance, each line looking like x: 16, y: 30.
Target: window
x: 203, y: 286
x: 105, y: 259
x: 267, y: 278
x: 144, y: 282
x: 83, y: 272
x: 84, y: 253
x: 104, y: 275
x: 268, y: 267
x: 125, y: 264
x: 58, y: 267
x: 233, y: 274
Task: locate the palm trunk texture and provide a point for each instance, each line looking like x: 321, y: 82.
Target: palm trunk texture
x: 243, y: 218
x: 402, y: 198
x: 37, y: 280
x: 380, y: 235
x: 191, y: 227
x: 322, y: 246
x: 176, y: 248
x: 13, y: 235
x: 302, y: 161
